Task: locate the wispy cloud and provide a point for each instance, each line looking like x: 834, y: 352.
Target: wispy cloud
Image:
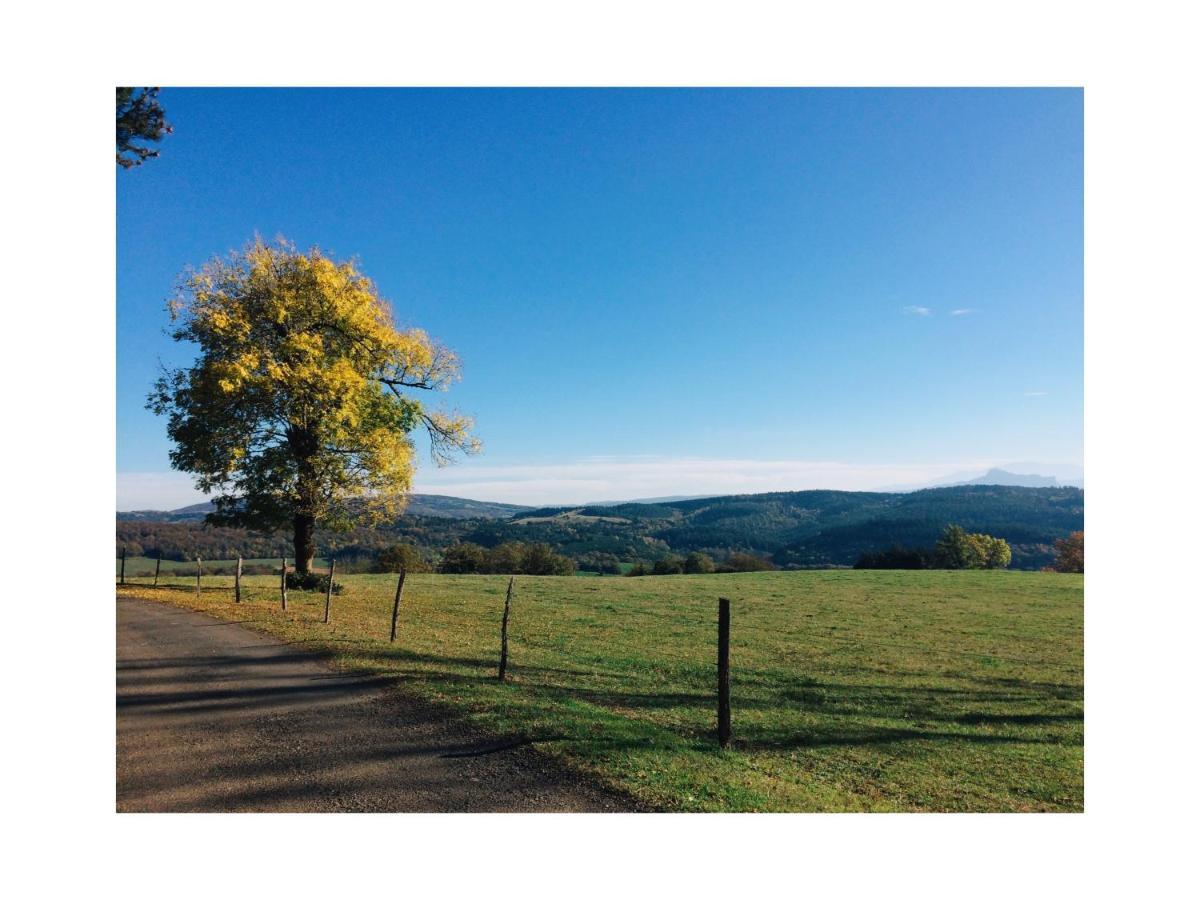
x: 598, y: 479
x: 1035, y: 393
x: 966, y: 311
x: 918, y: 311
x: 615, y: 478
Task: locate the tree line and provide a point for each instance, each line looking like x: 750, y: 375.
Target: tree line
x: 955, y: 549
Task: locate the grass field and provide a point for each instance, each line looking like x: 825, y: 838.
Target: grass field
x: 852, y: 690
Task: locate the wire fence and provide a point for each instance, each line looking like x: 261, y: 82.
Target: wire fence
x: 690, y: 654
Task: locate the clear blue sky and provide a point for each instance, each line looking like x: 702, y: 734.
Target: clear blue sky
x: 658, y: 291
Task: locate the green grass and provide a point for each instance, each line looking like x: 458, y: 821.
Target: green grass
x: 852, y: 690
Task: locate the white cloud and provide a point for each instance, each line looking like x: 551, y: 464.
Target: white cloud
x: 615, y: 478
x: 602, y: 478
x: 155, y: 490
x: 918, y: 311
x: 962, y: 312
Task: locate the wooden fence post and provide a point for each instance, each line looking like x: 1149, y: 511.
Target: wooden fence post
x: 157, y: 565
x: 724, y: 731
x: 396, y: 605
x: 122, y: 565
x: 504, y: 631
x: 197, y: 576
x: 329, y: 588
x: 237, y: 582
x: 283, y: 581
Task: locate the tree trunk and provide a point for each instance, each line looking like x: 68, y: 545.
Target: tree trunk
x: 305, y: 542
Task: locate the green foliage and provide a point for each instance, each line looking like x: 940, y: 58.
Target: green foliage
x: 956, y: 549
x: 540, y: 559
x: 668, y: 565
x: 140, y: 118
x: 698, y: 564
x: 798, y: 530
x: 895, y: 557
x: 745, y: 562
x: 464, y: 559
x: 310, y: 581
x: 401, y: 556
x: 509, y: 558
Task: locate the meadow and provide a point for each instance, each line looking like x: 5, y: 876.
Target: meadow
x: 852, y: 690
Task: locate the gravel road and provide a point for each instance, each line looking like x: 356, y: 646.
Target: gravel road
x: 212, y: 717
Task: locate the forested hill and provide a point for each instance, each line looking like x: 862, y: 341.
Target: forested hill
x: 794, y: 529
x: 435, y: 505
x: 816, y: 528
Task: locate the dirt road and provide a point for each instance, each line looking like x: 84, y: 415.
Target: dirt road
x: 213, y: 717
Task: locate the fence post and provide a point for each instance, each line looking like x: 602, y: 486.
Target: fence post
x: 329, y: 588
x: 283, y: 581
x: 724, y: 731
x: 157, y: 564
x: 396, y: 605
x: 122, y: 565
x: 237, y: 582
x: 504, y: 631
x: 197, y: 576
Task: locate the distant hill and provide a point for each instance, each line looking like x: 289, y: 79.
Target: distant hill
x: 1069, y: 476
x: 433, y: 505
x: 796, y: 529
x: 1012, y: 479
x: 808, y: 528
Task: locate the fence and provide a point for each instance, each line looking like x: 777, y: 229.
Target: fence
x: 570, y: 633
x: 229, y: 576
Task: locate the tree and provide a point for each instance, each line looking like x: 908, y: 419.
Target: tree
x: 746, y: 562
x: 638, y: 569
x: 895, y: 557
x: 668, y: 565
x: 953, y: 549
x: 540, y: 559
x: 139, y: 118
x: 1068, y: 553
x: 997, y: 553
x: 506, y: 558
x: 698, y: 564
x: 463, y: 559
x: 400, y: 556
x: 956, y: 549
x: 297, y: 408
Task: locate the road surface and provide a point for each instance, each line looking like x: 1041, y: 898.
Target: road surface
x: 212, y: 717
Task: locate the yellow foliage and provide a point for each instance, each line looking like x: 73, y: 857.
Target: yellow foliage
x: 301, y: 399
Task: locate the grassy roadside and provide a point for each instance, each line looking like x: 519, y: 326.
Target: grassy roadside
x: 851, y: 690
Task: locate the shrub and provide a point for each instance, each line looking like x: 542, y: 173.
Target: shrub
x: 668, y: 565
x: 312, y: 581
x: 698, y: 564
x: 895, y: 557
x: 745, y: 562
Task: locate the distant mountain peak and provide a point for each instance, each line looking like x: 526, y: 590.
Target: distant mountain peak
x: 1013, y: 479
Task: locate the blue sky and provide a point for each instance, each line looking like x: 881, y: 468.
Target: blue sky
x: 657, y: 292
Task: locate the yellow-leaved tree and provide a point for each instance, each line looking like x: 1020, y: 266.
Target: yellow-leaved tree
x: 299, y: 407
